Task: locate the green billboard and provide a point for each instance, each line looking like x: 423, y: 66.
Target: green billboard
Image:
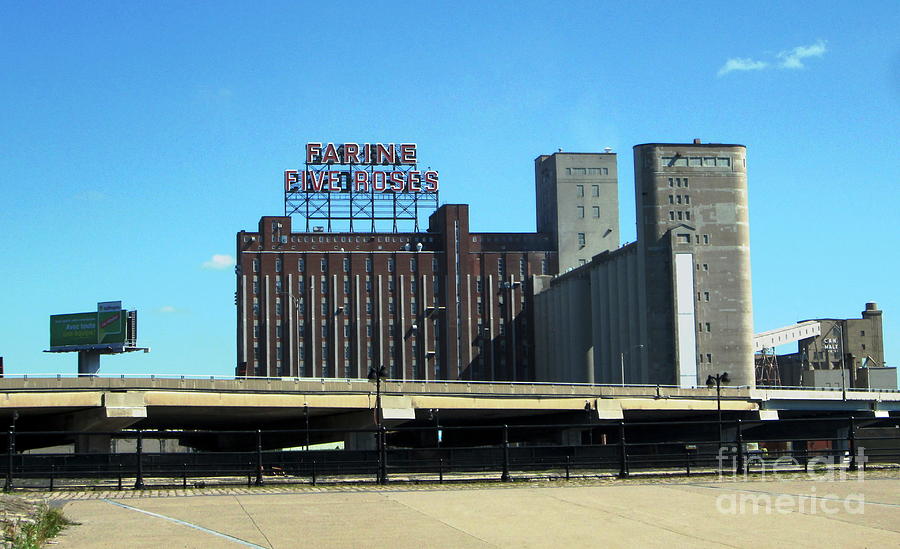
x: 94, y: 328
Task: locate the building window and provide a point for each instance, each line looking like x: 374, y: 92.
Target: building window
x: 706, y: 239
x: 579, y: 191
x: 390, y: 285
x: 478, y: 285
x: 684, y: 238
x: 324, y: 265
x: 323, y: 286
x: 687, y: 199
x: 434, y: 264
x: 391, y: 308
x: 680, y: 216
x: 346, y: 286
x: 346, y: 264
x: 324, y: 332
x: 705, y: 267
x: 390, y: 264
x: 582, y: 241
x: 255, y: 287
x: 523, y: 265
x: 278, y: 308
x: 255, y: 265
x: 687, y: 216
x: 595, y: 190
x: 501, y: 266
x: 707, y: 326
x: 671, y: 199
x: 580, y: 210
x: 413, y: 264
x: 412, y: 306
x: 544, y: 267
x: 862, y: 333
x: 368, y: 307
x: 278, y: 331
x: 582, y: 261
x: 368, y: 264
x: 278, y: 284
x: 278, y: 265
x: 705, y: 296
x: 596, y: 210
x: 347, y: 329
x: 671, y: 182
x: 412, y: 286
x: 685, y: 181
x: 671, y: 215
x: 324, y: 308
x: 256, y: 330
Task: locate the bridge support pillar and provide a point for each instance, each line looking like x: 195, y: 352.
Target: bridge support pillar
x: 93, y: 444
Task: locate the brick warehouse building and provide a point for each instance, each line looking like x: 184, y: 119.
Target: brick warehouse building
x: 445, y: 303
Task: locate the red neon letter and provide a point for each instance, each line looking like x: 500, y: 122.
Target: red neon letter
x: 313, y: 150
x: 415, y: 181
x: 431, y: 181
x: 379, y: 183
x: 290, y: 180
x: 407, y: 153
x: 361, y: 181
x: 397, y: 182
x: 386, y: 154
x: 351, y: 152
x: 331, y: 155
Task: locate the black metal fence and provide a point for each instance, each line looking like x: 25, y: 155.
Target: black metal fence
x: 155, y: 458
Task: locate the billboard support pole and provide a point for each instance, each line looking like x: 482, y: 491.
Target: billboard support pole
x: 88, y: 363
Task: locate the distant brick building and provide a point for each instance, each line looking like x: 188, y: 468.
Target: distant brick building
x: 441, y: 304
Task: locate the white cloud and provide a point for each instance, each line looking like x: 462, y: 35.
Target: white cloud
x: 742, y: 64
x: 168, y: 309
x: 793, y: 58
x: 218, y: 262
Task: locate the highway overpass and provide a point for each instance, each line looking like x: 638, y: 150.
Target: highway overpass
x: 111, y: 403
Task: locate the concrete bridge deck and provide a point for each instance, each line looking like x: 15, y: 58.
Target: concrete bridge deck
x: 109, y: 403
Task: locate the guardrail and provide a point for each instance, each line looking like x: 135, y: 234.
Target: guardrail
x: 426, y: 381
x: 145, y: 458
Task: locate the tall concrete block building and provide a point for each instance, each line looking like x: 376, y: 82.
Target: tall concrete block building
x: 675, y: 306
x: 577, y: 198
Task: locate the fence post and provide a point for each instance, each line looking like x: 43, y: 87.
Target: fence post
x: 314, y: 473
x: 120, y: 475
x: 623, y: 452
x: 851, y: 434
x: 184, y: 476
x: 11, y: 453
x: 740, y: 447
x: 259, y: 463
x: 52, y: 474
x: 441, y: 471
x: 139, y: 450
x: 567, y: 467
x: 505, y: 476
x: 382, y: 449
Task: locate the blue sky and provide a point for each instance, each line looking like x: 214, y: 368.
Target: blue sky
x: 140, y: 137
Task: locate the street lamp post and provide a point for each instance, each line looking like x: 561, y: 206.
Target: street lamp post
x: 717, y: 381
x: 376, y: 375
x: 622, y: 361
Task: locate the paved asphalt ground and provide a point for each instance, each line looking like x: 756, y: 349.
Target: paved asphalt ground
x: 635, y: 513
